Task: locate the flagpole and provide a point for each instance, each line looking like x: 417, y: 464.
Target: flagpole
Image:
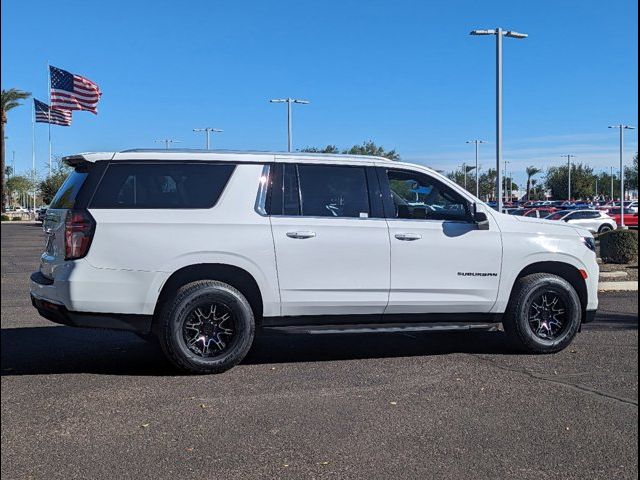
x: 49, y: 88
x: 33, y: 151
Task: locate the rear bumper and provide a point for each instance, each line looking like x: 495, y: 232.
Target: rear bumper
x: 58, y: 313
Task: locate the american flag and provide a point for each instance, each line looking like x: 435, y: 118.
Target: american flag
x: 73, y: 92
x: 44, y: 114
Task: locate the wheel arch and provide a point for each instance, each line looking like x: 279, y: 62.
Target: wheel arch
x: 235, y: 276
x: 563, y: 270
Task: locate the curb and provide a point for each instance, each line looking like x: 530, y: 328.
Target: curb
x: 618, y: 287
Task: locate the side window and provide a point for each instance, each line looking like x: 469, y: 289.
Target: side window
x: 593, y: 215
x: 162, y: 185
x: 290, y: 190
x: 333, y: 191
x: 418, y: 196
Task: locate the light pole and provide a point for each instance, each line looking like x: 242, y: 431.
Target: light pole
x: 167, y: 142
x: 207, y: 131
x: 612, y: 184
x: 499, y: 33
x: 477, y: 144
x: 622, y: 128
x: 506, y: 189
x: 289, y: 102
x: 569, y: 157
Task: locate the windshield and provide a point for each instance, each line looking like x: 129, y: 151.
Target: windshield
x: 557, y: 216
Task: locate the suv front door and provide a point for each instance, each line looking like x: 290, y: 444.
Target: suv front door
x: 331, y: 240
x: 440, y: 261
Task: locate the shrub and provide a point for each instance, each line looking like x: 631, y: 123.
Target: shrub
x: 4, y: 218
x: 16, y: 219
x: 619, y: 246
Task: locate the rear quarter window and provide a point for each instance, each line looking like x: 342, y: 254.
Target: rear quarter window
x: 66, y: 195
x: 162, y: 185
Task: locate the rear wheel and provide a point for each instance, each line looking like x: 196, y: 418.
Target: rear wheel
x: 208, y: 327
x: 605, y: 229
x: 544, y: 314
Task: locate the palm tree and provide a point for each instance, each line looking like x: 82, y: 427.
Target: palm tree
x: 531, y: 172
x: 9, y: 100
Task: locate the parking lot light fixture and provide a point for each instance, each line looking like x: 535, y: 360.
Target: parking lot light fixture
x: 207, y: 131
x: 289, y: 101
x: 167, y: 142
x: 499, y: 33
x: 622, y: 128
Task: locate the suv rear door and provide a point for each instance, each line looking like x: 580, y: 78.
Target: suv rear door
x: 331, y: 240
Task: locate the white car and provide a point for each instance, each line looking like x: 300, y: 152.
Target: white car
x: 596, y: 221
x: 204, y: 249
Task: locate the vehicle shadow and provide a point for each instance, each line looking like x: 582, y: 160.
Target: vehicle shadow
x: 614, y: 321
x: 59, y: 349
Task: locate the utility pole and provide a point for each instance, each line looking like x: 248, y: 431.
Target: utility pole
x: 207, y: 131
x: 167, y: 142
x: 499, y: 33
x: 622, y: 128
x: 569, y: 157
x: 477, y: 144
x: 289, y: 102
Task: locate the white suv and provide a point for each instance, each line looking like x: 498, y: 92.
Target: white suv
x: 200, y: 248
x: 595, y: 221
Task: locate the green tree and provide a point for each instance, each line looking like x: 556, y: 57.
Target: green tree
x: 50, y: 185
x: 18, y: 185
x: 582, y: 182
x: 9, y: 99
x: 367, y: 148
x: 327, y: 149
x: 488, y: 184
x: 458, y: 177
x: 531, y: 172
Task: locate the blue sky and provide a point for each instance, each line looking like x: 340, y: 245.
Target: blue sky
x: 405, y: 74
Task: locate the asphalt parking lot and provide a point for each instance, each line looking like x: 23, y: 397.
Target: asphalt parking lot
x: 97, y: 404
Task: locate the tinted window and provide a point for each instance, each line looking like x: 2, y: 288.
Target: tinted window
x: 419, y: 196
x: 290, y: 191
x: 66, y: 196
x: 333, y: 191
x: 161, y: 185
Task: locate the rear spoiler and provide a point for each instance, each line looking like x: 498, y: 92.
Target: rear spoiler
x: 80, y: 160
x: 75, y: 160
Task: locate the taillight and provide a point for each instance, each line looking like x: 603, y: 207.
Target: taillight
x: 78, y: 233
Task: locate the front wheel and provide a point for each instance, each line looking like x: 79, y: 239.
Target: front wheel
x: 544, y: 314
x: 207, y: 327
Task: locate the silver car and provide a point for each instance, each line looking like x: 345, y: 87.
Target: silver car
x: 593, y: 220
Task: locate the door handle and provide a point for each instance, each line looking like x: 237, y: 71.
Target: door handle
x: 301, y: 235
x: 408, y: 237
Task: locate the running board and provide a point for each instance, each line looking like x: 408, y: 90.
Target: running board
x: 383, y: 328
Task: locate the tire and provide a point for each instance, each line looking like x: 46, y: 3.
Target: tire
x: 193, y: 328
x: 605, y: 229
x: 529, y: 322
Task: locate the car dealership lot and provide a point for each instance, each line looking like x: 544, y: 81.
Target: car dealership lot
x: 89, y: 404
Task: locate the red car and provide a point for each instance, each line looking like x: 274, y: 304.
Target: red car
x: 630, y: 218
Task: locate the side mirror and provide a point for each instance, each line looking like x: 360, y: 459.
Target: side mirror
x: 480, y: 218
